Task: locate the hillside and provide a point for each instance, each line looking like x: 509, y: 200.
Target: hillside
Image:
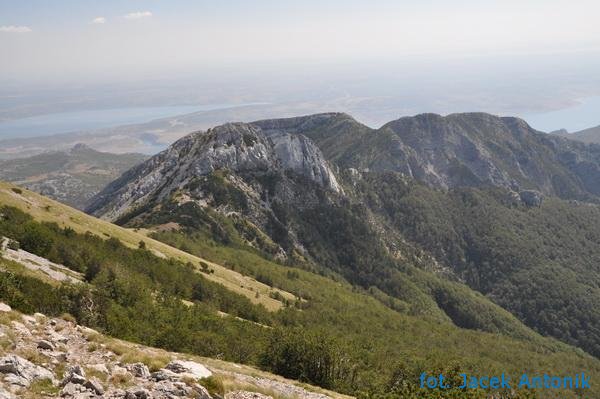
x: 55, y: 356
x: 591, y: 135
x: 141, y: 304
x: 472, y: 149
x: 421, y: 210
x: 72, y: 176
x: 44, y: 209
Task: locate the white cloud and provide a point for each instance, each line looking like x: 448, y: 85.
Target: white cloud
x: 15, y: 29
x: 99, y: 20
x: 138, y: 15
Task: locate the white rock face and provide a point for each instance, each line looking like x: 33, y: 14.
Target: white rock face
x: 37, y: 263
x: 298, y: 153
x: 21, y: 371
x: 237, y: 147
x: 188, y: 368
x: 4, y: 307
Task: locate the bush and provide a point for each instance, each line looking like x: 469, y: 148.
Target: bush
x: 36, y: 239
x: 304, y: 356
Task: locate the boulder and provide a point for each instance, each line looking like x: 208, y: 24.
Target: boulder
x: 17, y: 380
x: 70, y: 390
x: 201, y: 392
x: 61, y: 339
x: 60, y: 357
x: 101, y: 368
x: 39, y: 316
x: 169, y: 389
x: 74, y: 375
x: 22, y: 372
x: 164, y: 374
x: 4, y: 394
x: 4, y: 307
x: 531, y: 197
x: 189, y: 369
x: 29, y: 320
x: 20, y: 328
x: 94, y: 385
x: 46, y: 345
x: 139, y: 370
x: 138, y: 393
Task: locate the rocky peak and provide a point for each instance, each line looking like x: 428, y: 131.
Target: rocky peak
x: 236, y: 147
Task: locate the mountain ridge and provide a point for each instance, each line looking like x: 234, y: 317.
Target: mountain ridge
x: 589, y: 135
x: 233, y: 146
x: 428, y: 164
x: 472, y: 149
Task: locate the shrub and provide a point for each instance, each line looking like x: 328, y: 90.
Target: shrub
x: 304, y: 356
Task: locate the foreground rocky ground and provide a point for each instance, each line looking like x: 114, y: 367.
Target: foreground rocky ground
x: 43, y: 357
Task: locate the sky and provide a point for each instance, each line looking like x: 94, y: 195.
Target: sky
x: 59, y: 39
x: 519, y: 49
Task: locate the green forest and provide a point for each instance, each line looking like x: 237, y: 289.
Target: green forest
x: 339, y: 336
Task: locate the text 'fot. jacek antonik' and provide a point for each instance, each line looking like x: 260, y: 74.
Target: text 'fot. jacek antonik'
x: 503, y: 381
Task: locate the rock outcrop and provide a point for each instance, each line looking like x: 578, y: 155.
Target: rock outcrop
x: 235, y: 147
x: 21, y: 372
x: 75, y: 362
x: 531, y: 197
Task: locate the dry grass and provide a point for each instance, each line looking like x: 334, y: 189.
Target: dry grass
x: 231, y: 385
x: 7, y: 341
x: 33, y: 355
x: 41, y: 388
x: 68, y: 317
x: 92, y: 347
x: 7, y: 317
x: 121, y: 380
x: 45, y: 209
x: 154, y: 361
x: 91, y: 372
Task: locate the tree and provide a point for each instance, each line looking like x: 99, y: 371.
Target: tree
x: 36, y: 239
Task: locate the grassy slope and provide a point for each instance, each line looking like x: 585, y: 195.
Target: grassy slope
x: 382, y: 336
x: 45, y: 209
x: 390, y: 338
x: 226, y: 372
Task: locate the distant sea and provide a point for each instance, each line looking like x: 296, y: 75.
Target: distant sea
x: 64, y: 122
x: 584, y: 115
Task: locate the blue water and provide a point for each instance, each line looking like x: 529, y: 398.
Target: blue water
x: 579, y: 117
x: 49, y: 124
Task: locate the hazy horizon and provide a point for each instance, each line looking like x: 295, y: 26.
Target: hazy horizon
x: 377, y: 60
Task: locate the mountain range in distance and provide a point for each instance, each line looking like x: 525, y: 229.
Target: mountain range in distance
x: 72, y: 176
x: 155, y: 135
x: 591, y: 135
